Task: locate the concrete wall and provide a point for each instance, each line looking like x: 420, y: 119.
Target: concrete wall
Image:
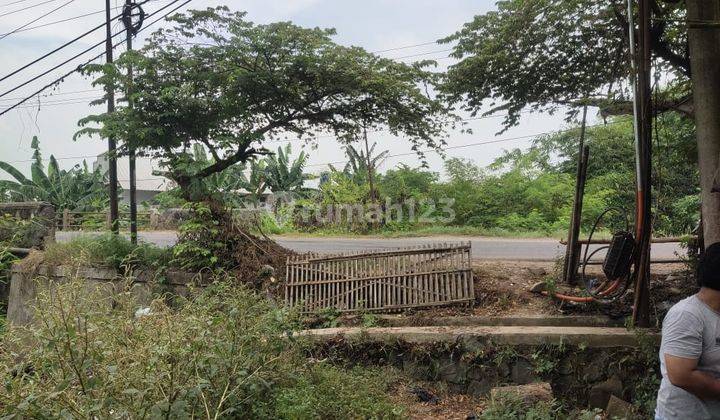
x: 26, y: 284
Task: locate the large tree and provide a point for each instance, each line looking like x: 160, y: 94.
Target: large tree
x: 544, y: 54
x: 218, y: 80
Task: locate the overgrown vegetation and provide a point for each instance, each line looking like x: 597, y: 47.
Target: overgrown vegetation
x: 106, y: 250
x: 78, y: 188
x: 224, y: 353
x: 524, y: 192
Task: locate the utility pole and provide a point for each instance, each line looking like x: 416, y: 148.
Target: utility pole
x: 112, y: 147
x: 643, y: 216
x: 131, y: 29
x: 572, y: 252
x: 704, y: 42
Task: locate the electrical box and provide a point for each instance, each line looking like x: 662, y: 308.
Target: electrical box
x: 619, y: 255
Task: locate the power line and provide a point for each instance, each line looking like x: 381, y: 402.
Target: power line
x: 13, y: 2
x: 3, y: 36
x: 403, y: 48
x: 59, y: 21
x: 26, y: 8
x: 80, y: 67
x: 460, y: 146
x: 49, y: 95
x: 374, y: 52
x: 48, y: 54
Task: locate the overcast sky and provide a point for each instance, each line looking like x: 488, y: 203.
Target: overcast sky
x: 373, y: 24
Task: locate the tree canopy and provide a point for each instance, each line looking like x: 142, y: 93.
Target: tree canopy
x: 543, y: 54
x: 218, y: 80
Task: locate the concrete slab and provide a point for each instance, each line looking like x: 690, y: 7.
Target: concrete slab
x: 475, y: 336
x: 509, y: 321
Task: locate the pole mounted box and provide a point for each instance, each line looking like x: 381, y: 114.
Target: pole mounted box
x: 619, y: 255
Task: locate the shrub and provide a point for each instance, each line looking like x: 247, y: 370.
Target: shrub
x: 225, y: 353
x: 107, y: 250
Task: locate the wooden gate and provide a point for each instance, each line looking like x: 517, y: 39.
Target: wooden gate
x: 381, y: 280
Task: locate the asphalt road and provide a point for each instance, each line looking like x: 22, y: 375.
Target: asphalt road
x: 482, y: 247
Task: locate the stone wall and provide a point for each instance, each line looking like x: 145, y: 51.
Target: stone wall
x: 26, y: 283
x: 580, y: 376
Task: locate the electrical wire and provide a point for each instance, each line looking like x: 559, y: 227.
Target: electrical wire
x: 12, y: 2
x: 81, y: 66
x: 3, y: 36
x: 102, y: 11
x: 48, y: 54
x: 60, y: 21
x: 26, y: 8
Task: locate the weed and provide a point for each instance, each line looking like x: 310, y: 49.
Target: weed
x: 370, y: 320
x: 329, y: 317
x: 511, y: 406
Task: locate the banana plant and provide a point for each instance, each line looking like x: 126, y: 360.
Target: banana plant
x: 285, y: 176
x: 76, y: 189
x: 358, y: 163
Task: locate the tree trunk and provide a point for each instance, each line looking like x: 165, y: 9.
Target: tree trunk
x: 704, y: 43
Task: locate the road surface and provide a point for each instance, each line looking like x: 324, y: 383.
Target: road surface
x: 482, y: 248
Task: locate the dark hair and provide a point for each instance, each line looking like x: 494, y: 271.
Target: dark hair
x: 708, y: 273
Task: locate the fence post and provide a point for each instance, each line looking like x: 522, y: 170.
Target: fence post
x: 66, y: 219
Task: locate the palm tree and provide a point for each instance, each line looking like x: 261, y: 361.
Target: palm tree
x: 76, y: 189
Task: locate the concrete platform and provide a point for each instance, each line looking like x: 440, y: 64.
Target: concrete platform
x: 506, y: 321
x: 476, y: 336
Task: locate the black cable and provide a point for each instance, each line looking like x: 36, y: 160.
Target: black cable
x: 12, y: 2
x: 67, y: 44
x: 81, y: 66
x: 44, y: 56
x: 60, y: 21
x: 3, y: 36
x: 26, y: 8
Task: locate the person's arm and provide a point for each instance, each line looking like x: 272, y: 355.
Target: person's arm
x: 683, y: 374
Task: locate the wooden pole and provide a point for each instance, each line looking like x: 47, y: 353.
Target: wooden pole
x: 641, y: 307
x: 572, y: 250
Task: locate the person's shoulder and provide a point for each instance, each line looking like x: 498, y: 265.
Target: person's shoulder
x: 690, y: 307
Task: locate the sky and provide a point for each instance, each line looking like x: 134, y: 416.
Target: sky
x: 376, y: 25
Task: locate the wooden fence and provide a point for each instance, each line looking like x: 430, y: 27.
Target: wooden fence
x: 381, y: 280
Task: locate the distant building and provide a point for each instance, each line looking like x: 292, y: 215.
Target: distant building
x: 147, y: 184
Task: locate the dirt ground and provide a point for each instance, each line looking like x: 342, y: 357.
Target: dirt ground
x: 448, y: 405
x: 502, y: 287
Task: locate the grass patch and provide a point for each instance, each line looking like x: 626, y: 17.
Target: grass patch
x: 106, y: 250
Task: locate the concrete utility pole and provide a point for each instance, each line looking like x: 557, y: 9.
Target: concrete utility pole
x: 643, y: 216
x: 112, y: 148
x: 130, y: 31
x: 704, y: 41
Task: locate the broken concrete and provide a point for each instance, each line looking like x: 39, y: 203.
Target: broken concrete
x: 601, y: 393
x: 619, y: 409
